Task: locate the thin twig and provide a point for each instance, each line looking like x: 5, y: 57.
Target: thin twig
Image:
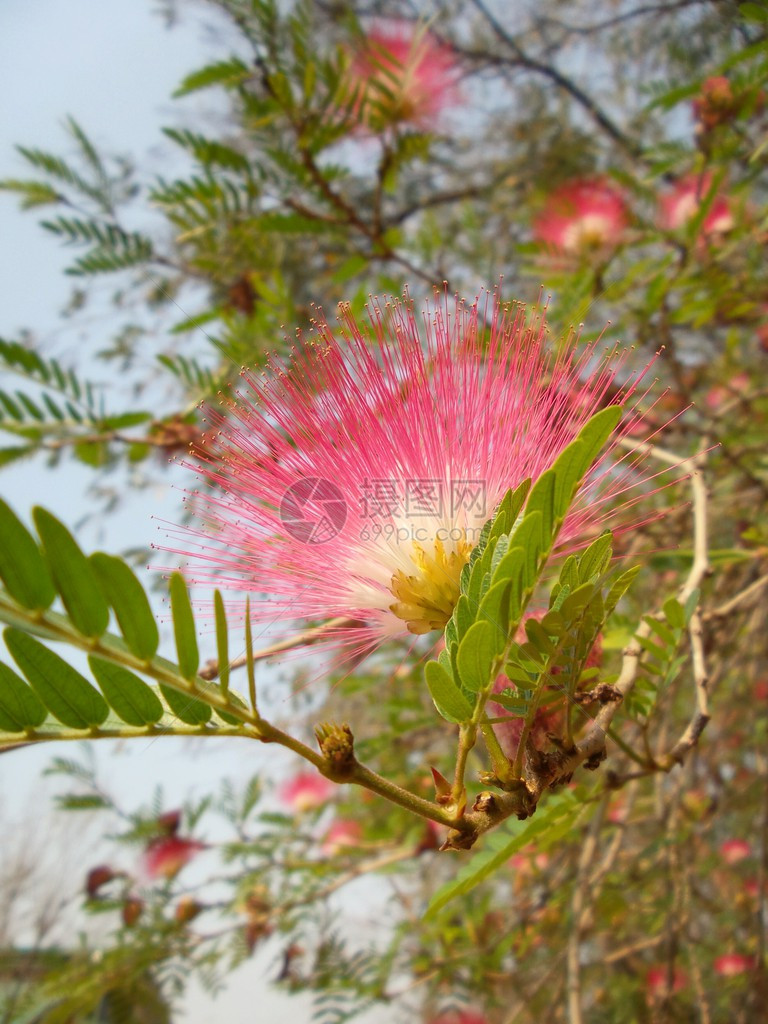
x: 305, y: 638
x: 731, y: 605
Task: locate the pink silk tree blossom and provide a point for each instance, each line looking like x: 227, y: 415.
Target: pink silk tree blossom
x: 583, y: 217
x: 401, y: 74
x: 165, y: 856
x: 306, y: 792
x: 679, y: 206
x: 351, y: 481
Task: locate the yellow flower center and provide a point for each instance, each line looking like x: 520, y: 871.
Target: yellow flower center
x: 425, y: 601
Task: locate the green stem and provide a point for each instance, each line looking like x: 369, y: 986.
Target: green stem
x: 371, y: 780
x: 467, y: 738
x: 499, y: 759
x: 626, y: 748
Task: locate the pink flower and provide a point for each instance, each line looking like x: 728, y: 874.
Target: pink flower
x: 166, y: 856
x: 353, y: 482
x: 752, y: 888
x: 657, y: 982
x: 342, y: 834
x: 716, y: 396
x: 306, y: 791
x: 730, y: 964
x: 528, y: 860
x: 583, y: 217
x: 681, y: 205
x: 734, y: 850
x: 460, y: 1017
x: 401, y: 74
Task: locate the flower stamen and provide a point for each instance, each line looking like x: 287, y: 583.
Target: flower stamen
x: 426, y: 601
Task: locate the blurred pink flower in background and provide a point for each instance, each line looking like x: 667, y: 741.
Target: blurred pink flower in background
x: 734, y: 387
x: 460, y: 1017
x: 657, y: 982
x: 730, y: 964
x: 166, y: 856
x: 306, y: 791
x: 583, y: 217
x: 401, y: 73
x: 679, y: 206
x: 342, y: 833
x: 734, y: 850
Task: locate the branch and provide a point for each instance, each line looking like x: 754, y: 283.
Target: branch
x: 306, y: 638
x: 565, y: 83
x: 578, y: 908
x: 731, y: 605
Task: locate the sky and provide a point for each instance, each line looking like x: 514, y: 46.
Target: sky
x: 113, y: 66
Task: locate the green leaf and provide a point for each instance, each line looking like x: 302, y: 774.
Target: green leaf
x: 561, y: 809
x: 128, y: 696
x: 576, y: 601
x: 67, y: 695
x: 690, y: 604
x: 91, y: 453
x: 494, y: 607
x: 222, y: 640
x: 537, y: 636
x: 528, y: 536
x: 516, y: 701
x: 476, y: 655
x: 190, y: 710
x: 674, y: 613
x: 619, y: 588
x: 15, y: 452
x: 511, y: 569
x: 73, y: 575
x: 595, y: 560
x: 129, y: 602
x: 509, y: 509
x: 542, y: 499
x: 227, y: 73
x: 81, y: 802
x: 22, y: 567
x: 596, y: 432
x: 225, y: 715
x: 574, y: 461
x: 661, y: 630
x: 184, y: 627
x: 448, y: 698
x: 250, y: 663
x: 20, y: 709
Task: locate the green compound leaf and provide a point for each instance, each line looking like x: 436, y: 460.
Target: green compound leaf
x: 128, y: 696
x: 73, y: 575
x: 68, y: 696
x: 22, y: 567
x: 129, y: 602
x: 20, y: 709
x: 448, y: 698
x: 184, y: 628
